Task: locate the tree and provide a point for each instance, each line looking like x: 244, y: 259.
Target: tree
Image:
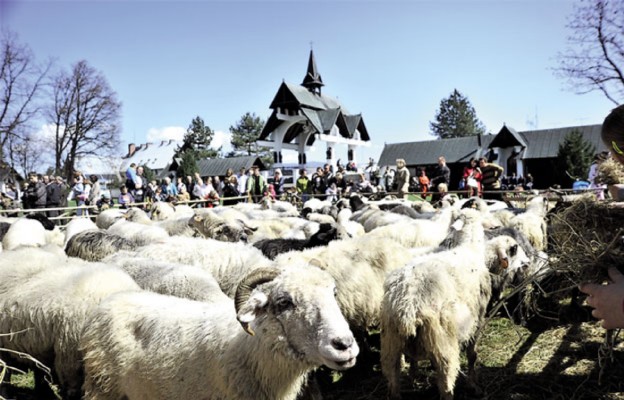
x: 26, y: 153
x: 574, y: 158
x: 188, y: 165
x: 594, y: 58
x: 21, y: 81
x: 456, y: 118
x: 197, y: 139
x: 246, y: 132
x: 85, y: 112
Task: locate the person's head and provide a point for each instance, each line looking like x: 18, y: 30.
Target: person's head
x: 133, y: 165
x: 338, y: 176
x: 303, y: 172
x: 482, y: 162
x: 189, y: 178
x: 140, y: 170
x: 255, y: 170
x: 232, y: 179
x: 613, y: 133
x: 167, y: 180
x: 400, y: 163
x: 216, y: 179
x: 93, y: 178
x: 441, y: 161
x: 46, y: 179
x: 278, y: 172
x: 32, y: 177
x: 182, y: 189
x: 473, y: 163
x: 327, y: 167
x: 123, y: 189
x: 59, y: 179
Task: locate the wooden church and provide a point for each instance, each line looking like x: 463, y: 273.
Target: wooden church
x: 302, y: 115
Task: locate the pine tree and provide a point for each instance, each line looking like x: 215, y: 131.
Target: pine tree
x: 188, y: 165
x: 456, y: 118
x: 245, y: 135
x: 574, y: 158
x: 197, y: 139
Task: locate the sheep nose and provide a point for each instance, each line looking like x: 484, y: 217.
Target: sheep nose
x: 342, y: 343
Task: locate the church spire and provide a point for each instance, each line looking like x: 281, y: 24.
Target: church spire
x: 312, y: 80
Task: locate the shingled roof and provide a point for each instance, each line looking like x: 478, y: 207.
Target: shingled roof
x: 219, y: 166
x: 543, y: 143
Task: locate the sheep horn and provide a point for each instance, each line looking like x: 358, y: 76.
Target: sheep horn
x: 247, y: 285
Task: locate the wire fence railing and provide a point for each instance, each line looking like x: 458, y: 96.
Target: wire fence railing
x: 67, y: 213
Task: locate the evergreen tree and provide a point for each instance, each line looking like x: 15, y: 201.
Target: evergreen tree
x: 245, y: 134
x: 148, y: 174
x: 456, y: 118
x: 574, y: 158
x: 188, y: 165
x: 197, y: 139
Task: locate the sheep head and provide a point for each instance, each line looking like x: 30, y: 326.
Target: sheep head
x: 296, y: 309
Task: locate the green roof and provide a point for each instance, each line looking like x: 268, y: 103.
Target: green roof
x: 219, y: 166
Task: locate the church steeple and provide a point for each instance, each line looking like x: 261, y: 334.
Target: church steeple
x: 312, y: 81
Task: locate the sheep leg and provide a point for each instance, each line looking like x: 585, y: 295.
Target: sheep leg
x: 446, y: 361
x: 391, y: 351
x: 471, y: 355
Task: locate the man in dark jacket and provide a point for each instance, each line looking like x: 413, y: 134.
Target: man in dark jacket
x: 442, y: 174
x: 35, y: 194
x: 53, y: 197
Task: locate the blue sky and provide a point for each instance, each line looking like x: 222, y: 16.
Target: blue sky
x: 392, y: 61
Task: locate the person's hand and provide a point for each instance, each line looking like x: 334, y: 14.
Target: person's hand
x: 607, y: 300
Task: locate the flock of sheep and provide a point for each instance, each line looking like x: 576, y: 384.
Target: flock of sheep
x: 247, y: 302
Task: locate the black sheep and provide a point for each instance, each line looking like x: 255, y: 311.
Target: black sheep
x: 271, y: 248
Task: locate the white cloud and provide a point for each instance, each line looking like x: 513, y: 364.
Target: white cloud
x: 46, y: 131
x: 166, y: 133
x: 221, y: 138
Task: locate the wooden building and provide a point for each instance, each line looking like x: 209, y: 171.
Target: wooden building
x: 303, y: 115
x: 526, y: 152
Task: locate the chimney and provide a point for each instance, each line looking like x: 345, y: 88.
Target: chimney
x: 131, y: 150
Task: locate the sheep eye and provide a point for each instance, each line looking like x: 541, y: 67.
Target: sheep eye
x: 283, y: 304
x: 335, y: 292
x: 513, y: 250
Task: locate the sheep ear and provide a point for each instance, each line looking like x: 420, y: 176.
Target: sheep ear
x: 252, y: 308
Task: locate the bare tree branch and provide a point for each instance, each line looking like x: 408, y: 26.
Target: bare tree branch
x: 21, y: 81
x: 85, y: 112
x: 594, y: 59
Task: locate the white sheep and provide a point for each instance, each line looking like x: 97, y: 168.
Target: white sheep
x: 78, y: 225
x: 44, y: 301
x: 108, y: 217
x: 137, y: 233
x: 179, y: 280
x: 436, y: 303
x: 227, y: 262
x: 532, y: 222
x: 150, y: 346
x: 24, y: 232
x: 359, y: 267
x: 417, y: 232
x: 161, y: 211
